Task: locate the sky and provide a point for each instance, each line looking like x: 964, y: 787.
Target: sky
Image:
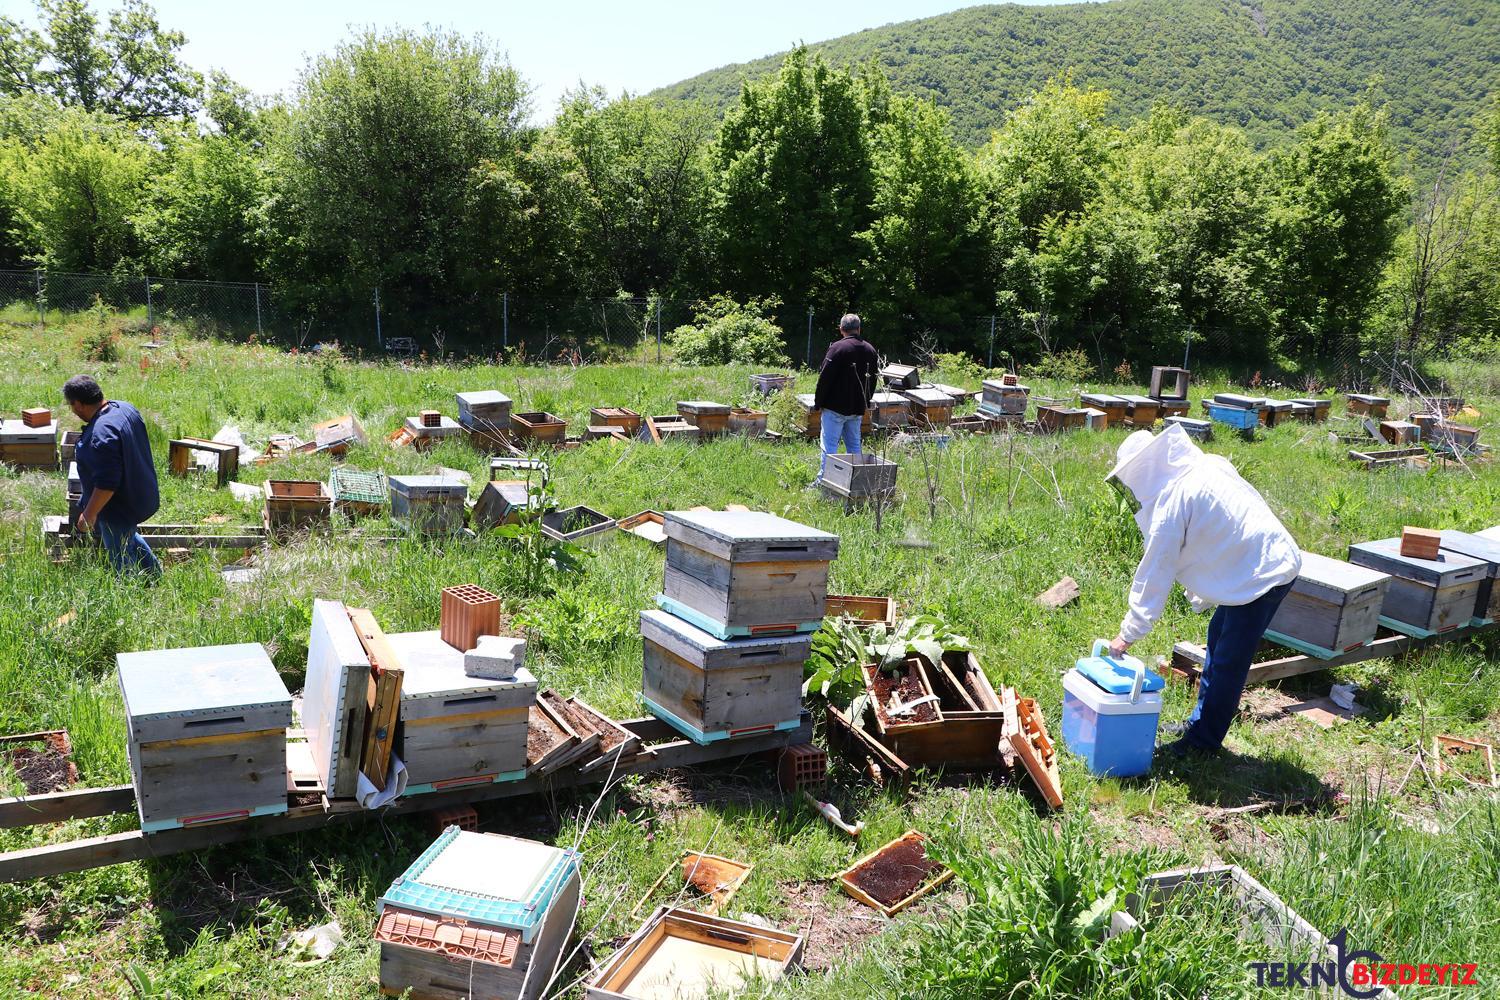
x: 634, y: 45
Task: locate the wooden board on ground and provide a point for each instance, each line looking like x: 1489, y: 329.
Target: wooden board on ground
x: 1062, y: 592
x: 1032, y: 744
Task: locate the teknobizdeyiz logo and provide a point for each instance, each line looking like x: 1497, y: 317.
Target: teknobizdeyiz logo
x: 1360, y: 974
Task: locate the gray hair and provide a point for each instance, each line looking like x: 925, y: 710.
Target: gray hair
x: 849, y: 322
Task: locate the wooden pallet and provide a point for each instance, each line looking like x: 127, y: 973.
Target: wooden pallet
x: 1187, y: 657
x: 666, y: 750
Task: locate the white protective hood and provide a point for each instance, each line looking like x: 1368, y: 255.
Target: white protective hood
x: 1204, y: 527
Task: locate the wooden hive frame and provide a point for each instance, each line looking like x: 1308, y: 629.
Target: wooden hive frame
x: 936, y: 876
x: 616, y: 976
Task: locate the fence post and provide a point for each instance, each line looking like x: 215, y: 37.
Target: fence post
x: 41, y: 310
x: 991, y: 362
x: 658, y: 331
x: 1187, y: 346
x: 809, y: 336
x: 505, y: 320
x: 150, y: 310
x: 259, y: 334
x: 379, y: 337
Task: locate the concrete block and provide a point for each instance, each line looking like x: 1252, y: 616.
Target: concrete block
x: 496, y: 657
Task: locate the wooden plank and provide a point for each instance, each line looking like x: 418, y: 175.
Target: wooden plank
x: 382, y: 696
x: 77, y: 803
x: 1034, y: 747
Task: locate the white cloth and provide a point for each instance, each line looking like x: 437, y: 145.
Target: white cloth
x: 1204, y: 526
x: 395, y: 783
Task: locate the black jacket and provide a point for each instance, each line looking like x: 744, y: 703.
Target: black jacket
x: 846, y: 382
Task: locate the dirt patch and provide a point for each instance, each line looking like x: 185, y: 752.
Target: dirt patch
x: 833, y: 926
x: 906, y: 686
x: 1263, y: 704
x: 45, y: 767
x: 895, y: 872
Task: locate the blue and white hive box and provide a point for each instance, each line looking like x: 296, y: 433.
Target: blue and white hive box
x: 206, y: 734
x: 1110, y: 711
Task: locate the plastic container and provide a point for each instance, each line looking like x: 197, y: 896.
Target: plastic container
x: 1110, y: 712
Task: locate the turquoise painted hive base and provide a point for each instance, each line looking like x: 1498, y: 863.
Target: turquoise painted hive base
x: 720, y: 631
x: 698, y: 736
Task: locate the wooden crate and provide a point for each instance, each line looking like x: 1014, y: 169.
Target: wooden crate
x: 1487, y: 601
x: 1424, y: 595
x: 1002, y: 398
x: 431, y: 505
x: 1276, y: 412
x: 860, y: 475
x: 538, y: 428
x: 864, y: 610
x: 1113, y: 407
x: 1168, y: 382
x: 1333, y: 607
x: 709, y: 417
x: 1169, y: 408
x: 226, y: 457
x: 205, y: 734
x: 1363, y: 404
x: 1141, y: 411
x: 1454, y: 438
x: 455, y: 729
x: 743, y: 573
x: 502, y: 502
x: 1400, y: 432
x: 29, y: 456
x: 478, y: 916
x: 296, y: 503
x: 338, y: 434
x: 890, y: 409
x: 929, y: 407
x: 485, y: 410
x: 616, y: 416
x: 684, y: 955
x: 67, y: 443
x: 1057, y: 419
x: 713, y: 689
x: 333, y: 698
x: 747, y: 421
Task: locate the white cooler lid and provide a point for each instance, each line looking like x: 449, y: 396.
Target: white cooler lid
x: 1104, y: 703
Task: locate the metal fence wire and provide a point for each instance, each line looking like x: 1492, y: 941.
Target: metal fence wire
x: 622, y: 328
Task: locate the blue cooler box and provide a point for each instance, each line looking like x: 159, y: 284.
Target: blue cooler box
x: 1107, y: 720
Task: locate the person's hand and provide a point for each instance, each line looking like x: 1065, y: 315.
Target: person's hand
x: 85, y: 523
x: 1118, y: 646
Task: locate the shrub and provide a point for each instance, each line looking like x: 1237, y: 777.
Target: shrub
x: 725, y: 332
x: 1065, y: 366
x: 101, y: 336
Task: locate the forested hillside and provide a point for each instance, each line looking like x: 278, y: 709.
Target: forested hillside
x: 1265, y: 65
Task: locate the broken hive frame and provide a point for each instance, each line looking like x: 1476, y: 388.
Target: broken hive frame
x: 1457, y: 744
x: 382, y: 697
x: 226, y: 457
x: 698, y: 870
x: 1033, y: 746
x: 934, y: 877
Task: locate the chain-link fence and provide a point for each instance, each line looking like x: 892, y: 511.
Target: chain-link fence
x: 582, y: 329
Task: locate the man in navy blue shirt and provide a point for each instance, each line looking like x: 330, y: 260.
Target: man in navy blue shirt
x: 118, y: 476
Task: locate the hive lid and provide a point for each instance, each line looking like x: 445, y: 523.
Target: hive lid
x: 434, y: 669
x: 483, y: 397
x: 1477, y: 546
x: 702, y: 406
x: 446, y: 483
x: 500, y: 881
x: 661, y: 627
x: 928, y: 396
x: 163, y: 683
x: 1336, y: 573
x: 753, y: 525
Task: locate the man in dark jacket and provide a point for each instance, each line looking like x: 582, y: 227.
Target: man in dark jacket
x: 846, y: 383
x: 117, y: 474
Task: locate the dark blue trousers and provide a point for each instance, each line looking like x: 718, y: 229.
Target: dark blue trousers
x: 1233, y: 636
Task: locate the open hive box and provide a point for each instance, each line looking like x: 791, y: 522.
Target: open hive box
x: 681, y: 955
x: 477, y: 916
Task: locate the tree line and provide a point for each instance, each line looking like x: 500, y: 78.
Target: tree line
x: 405, y: 161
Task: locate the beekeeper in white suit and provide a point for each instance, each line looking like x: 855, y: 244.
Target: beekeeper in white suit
x: 1209, y: 530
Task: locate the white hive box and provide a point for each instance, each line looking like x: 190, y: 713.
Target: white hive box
x: 477, y: 917
x: 333, y: 698
x: 455, y: 729
x: 206, y: 734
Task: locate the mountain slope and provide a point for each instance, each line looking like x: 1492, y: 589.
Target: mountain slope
x: 1266, y: 65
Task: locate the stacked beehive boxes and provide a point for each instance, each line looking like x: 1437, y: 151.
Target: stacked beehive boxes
x: 206, y: 734
x: 1487, y: 603
x: 741, y: 593
x: 479, y: 917
x: 709, y: 417
x: 1113, y: 407
x: 485, y: 417
x: 27, y: 445
x: 1003, y: 398
x: 429, y: 427
x: 429, y: 505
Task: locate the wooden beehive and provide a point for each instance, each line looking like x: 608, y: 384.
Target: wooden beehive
x: 714, y: 689
x: 1487, y: 601
x: 1002, y: 397
x: 1168, y: 408
x: 28, y: 447
x: 1363, y: 404
x: 616, y: 416
x: 1455, y: 438
x: 929, y: 407
x: 1276, y: 412
x: 205, y: 734
x: 1200, y: 430
x: 682, y: 955
x: 709, y: 417
x: 1113, y: 407
x: 296, y: 503
x: 812, y: 416
x: 1141, y: 411
x: 538, y: 427
x: 1239, y: 401
x: 1425, y: 595
x: 1400, y: 432
x: 226, y: 457
x: 484, y: 410
x: 890, y: 409
x: 333, y: 697
x: 502, y: 502
x: 860, y: 475
x: 1319, y: 408
x: 67, y: 442
x: 1169, y: 383
x: 1333, y: 607
x: 430, y: 505
x: 747, y: 421
x: 769, y: 383
x: 901, y: 376
x: 1056, y: 419
x: 338, y: 434
x: 468, y: 612
x: 478, y: 916
x: 746, y: 572
x: 455, y: 729
x: 357, y: 493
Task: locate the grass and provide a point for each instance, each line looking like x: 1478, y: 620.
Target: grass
x: 1412, y: 871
